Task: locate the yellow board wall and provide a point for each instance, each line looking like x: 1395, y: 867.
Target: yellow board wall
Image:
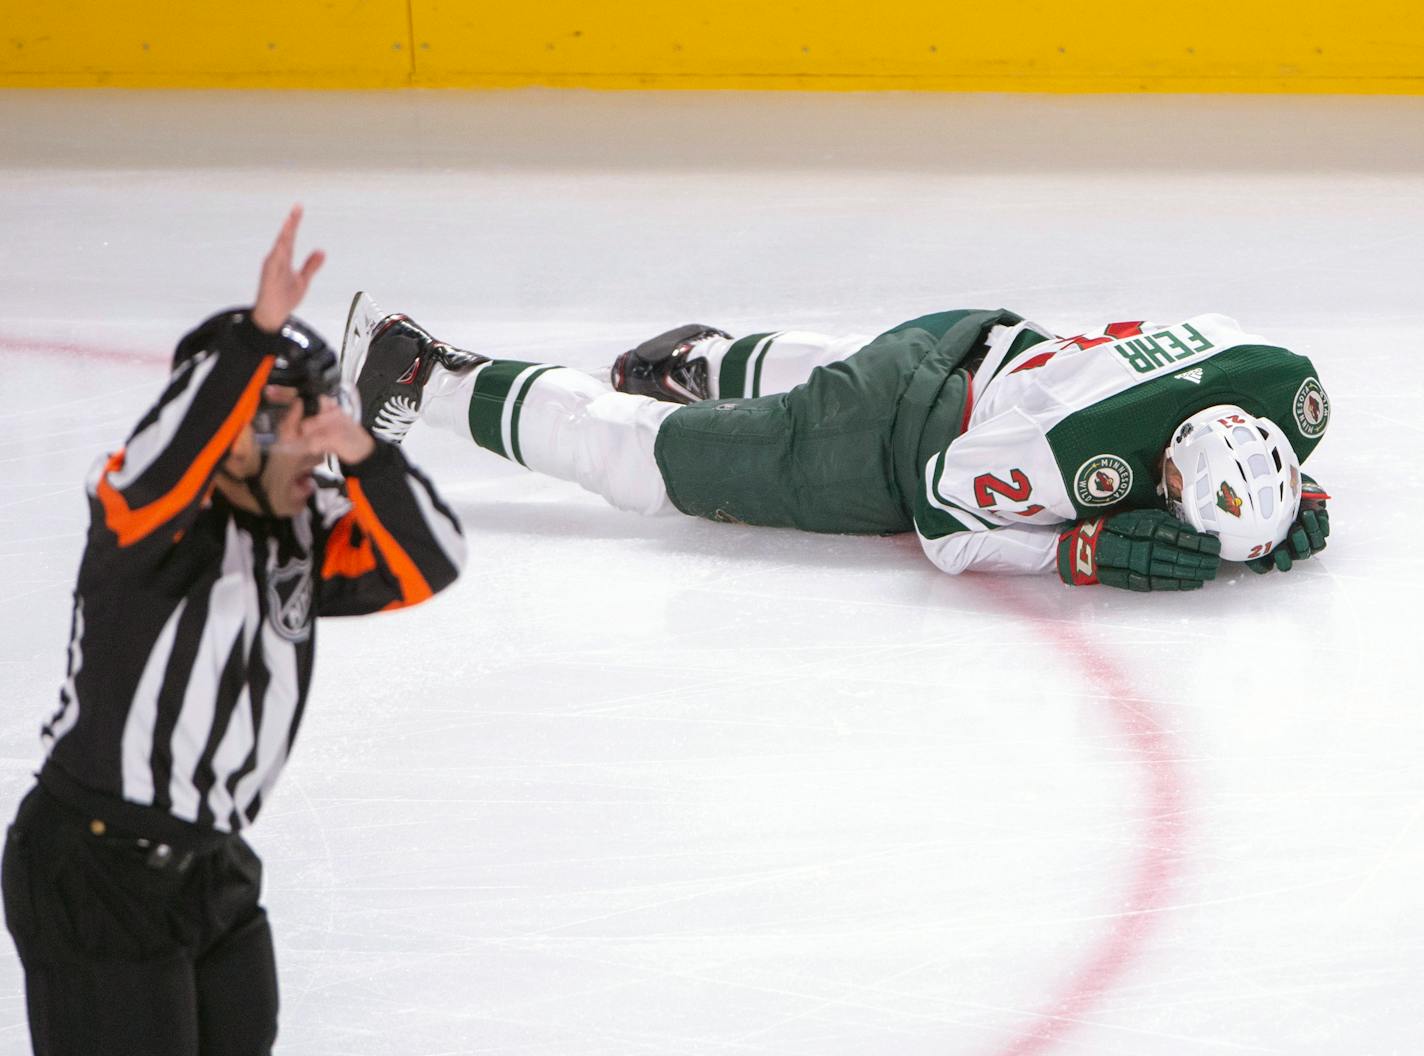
x: 206, y: 43
x: 1008, y: 45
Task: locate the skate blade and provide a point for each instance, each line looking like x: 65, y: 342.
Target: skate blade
x: 361, y: 321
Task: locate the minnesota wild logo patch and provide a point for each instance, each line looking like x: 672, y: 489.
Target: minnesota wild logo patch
x: 1228, y: 500
x: 1312, y: 408
x: 1102, y: 480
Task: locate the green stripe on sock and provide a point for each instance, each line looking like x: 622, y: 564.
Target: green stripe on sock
x: 518, y: 406
x: 761, y: 359
x: 492, y: 386
x: 732, y: 378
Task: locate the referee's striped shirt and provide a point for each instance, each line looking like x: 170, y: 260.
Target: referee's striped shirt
x: 193, y: 633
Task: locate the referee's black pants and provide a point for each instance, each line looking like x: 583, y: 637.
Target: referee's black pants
x: 131, y: 953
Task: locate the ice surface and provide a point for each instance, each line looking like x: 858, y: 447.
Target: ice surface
x: 672, y: 787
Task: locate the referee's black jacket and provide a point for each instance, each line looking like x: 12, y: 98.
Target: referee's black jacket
x: 194, y: 624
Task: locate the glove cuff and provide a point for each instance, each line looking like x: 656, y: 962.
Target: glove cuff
x: 1078, y: 553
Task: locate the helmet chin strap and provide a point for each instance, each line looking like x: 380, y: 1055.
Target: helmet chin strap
x: 253, y: 483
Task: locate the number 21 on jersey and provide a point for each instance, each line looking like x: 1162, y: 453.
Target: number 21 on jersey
x: 990, y: 491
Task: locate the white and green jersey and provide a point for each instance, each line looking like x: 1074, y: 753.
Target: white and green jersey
x: 1062, y: 429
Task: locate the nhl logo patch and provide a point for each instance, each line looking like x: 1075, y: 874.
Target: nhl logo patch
x: 1102, y: 480
x: 289, y: 600
x: 1312, y: 408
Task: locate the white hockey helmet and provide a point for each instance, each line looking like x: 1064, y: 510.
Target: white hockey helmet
x: 1240, y: 480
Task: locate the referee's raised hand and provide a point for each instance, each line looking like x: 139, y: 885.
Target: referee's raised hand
x: 281, y: 287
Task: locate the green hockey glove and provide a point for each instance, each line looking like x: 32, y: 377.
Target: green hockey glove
x: 1306, y: 536
x: 1137, y: 550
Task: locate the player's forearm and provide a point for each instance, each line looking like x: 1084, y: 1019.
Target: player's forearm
x: 1010, y: 549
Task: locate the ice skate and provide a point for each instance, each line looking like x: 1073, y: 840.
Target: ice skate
x: 393, y: 362
x: 667, y: 367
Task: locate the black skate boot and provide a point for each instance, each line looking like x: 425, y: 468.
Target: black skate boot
x: 667, y: 367
x: 392, y: 360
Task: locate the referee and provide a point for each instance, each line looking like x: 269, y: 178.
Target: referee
x: 212, y: 548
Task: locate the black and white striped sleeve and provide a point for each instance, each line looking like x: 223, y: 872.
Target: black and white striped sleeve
x: 151, y: 487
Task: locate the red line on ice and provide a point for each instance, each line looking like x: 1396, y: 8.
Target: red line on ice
x: 41, y: 347
x: 1151, y: 876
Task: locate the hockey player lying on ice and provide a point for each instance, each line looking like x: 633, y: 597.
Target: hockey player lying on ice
x: 1137, y: 458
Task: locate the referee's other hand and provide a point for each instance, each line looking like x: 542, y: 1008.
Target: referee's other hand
x: 331, y: 431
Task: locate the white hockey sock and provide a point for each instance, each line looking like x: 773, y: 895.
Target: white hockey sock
x: 761, y: 364
x: 715, y: 350
x: 563, y: 423
x: 450, y: 409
